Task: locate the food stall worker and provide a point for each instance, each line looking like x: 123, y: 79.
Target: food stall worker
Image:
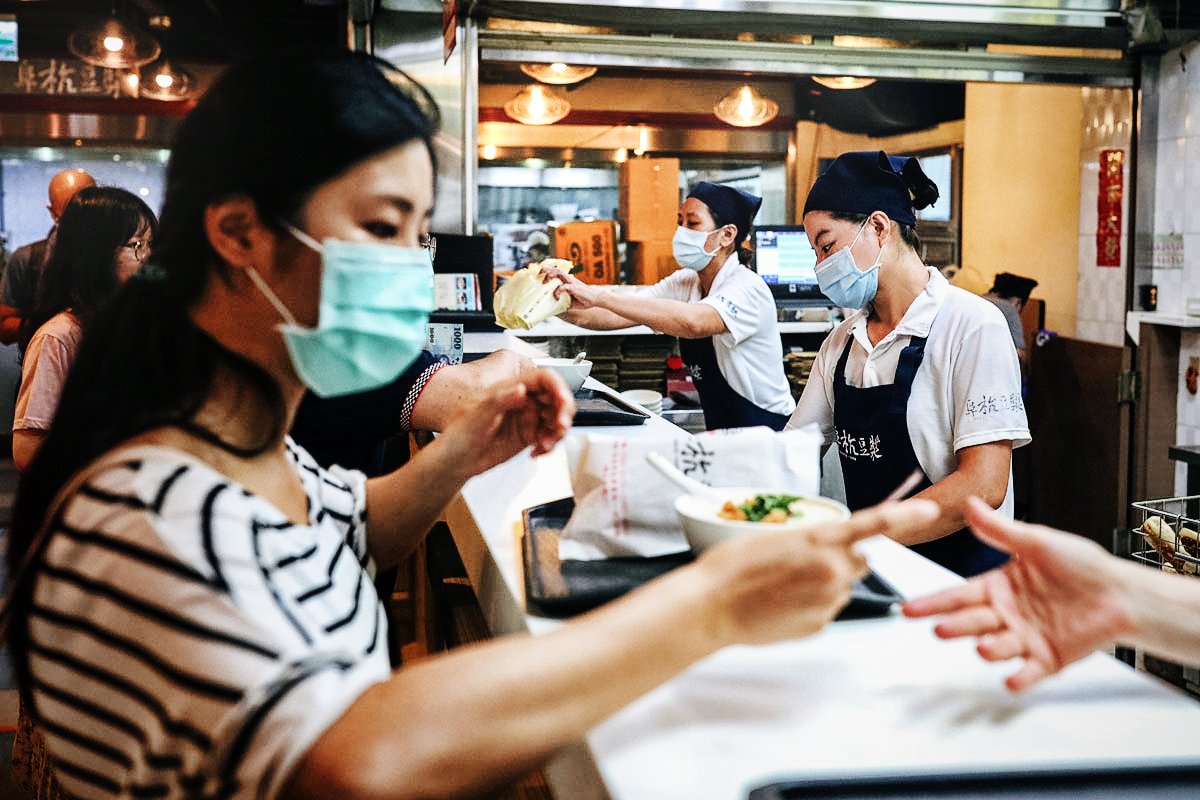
x: 924, y: 375
x: 722, y: 312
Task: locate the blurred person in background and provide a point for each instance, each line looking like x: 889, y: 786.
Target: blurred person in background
x: 19, y: 287
x: 1010, y: 293
x: 103, y: 237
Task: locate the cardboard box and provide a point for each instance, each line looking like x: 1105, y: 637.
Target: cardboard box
x: 648, y: 198
x: 591, y: 245
x: 649, y: 261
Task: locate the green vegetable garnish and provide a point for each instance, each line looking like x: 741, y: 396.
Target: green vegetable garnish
x: 760, y: 505
x: 575, y: 270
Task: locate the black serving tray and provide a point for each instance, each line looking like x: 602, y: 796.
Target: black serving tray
x: 593, y: 407
x: 559, y: 588
x: 1100, y: 782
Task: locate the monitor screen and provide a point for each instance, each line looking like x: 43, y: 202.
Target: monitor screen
x: 786, y: 261
x: 8, y: 37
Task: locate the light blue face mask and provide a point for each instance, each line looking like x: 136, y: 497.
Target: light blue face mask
x: 843, y: 282
x: 374, y: 308
x: 687, y: 246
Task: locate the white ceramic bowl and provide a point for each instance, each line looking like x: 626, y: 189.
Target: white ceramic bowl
x: 646, y: 398
x: 704, y: 527
x: 574, y: 374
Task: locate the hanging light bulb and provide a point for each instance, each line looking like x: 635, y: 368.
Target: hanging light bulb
x: 744, y: 107
x: 113, y: 43
x: 538, y: 105
x: 163, y: 80
x: 558, y: 73
x: 843, y: 81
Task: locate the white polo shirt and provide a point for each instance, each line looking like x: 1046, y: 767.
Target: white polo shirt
x: 750, y: 352
x: 966, y: 392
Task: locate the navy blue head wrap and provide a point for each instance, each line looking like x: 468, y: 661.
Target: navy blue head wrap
x: 1007, y: 284
x: 729, y: 206
x: 864, y: 182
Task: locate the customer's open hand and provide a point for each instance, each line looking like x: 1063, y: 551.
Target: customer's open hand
x: 1053, y: 603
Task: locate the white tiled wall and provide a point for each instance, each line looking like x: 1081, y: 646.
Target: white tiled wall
x: 1177, y: 185
x: 1102, y: 289
x: 1100, y: 305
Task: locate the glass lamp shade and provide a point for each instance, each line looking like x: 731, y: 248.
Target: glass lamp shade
x: 843, y: 81
x: 744, y: 107
x: 538, y: 105
x: 163, y: 80
x: 113, y: 44
x: 558, y: 73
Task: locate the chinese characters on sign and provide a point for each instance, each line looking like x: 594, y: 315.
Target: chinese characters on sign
x: 1108, y: 208
x: 61, y: 77
x: 1167, y: 251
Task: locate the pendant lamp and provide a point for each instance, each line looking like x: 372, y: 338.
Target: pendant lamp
x: 113, y: 44
x: 744, y: 107
x: 163, y: 80
x: 558, y: 73
x: 843, y: 81
x: 538, y: 105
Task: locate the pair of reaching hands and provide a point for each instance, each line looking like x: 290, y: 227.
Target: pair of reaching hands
x: 1058, y: 599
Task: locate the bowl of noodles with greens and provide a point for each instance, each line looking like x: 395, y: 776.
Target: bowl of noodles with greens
x: 717, y: 514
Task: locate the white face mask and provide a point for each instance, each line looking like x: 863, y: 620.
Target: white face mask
x: 688, y: 248
x: 844, y: 282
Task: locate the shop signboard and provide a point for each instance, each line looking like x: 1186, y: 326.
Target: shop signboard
x: 1108, y: 208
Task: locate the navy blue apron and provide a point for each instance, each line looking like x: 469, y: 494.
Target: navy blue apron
x: 876, y: 452
x: 723, y: 407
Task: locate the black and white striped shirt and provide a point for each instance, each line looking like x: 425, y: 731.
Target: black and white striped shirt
x: 188, y: 640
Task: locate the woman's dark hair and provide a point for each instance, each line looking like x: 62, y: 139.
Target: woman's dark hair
x: 908, y: 233
x: 745, y: 252
x: 81, y: 273
x: 143, y: 363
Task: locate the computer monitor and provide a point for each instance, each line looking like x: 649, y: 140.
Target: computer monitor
x: 786, y: 261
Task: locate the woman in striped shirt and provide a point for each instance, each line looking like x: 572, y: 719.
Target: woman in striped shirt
x: 196, y: 620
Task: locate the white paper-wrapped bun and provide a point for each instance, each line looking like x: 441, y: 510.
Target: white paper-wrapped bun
x: 524, y: 300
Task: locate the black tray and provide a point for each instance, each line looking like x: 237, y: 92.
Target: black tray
x: 1102, y: 782
x: 593, y: 407
x: 563, y: 588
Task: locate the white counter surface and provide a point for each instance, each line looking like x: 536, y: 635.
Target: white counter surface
x: 858, y: 698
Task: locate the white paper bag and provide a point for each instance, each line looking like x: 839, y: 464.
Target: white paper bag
x: 625, y: 507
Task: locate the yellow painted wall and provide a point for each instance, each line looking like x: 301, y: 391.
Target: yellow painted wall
x: 1021, y: 148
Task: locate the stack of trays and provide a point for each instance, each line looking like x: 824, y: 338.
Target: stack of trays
x: 605, y: 354
x: 644, y: 363
x: 797, y: 365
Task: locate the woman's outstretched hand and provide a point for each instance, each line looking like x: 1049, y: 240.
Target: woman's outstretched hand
x: 583, y: 295
x: 1059, y: 598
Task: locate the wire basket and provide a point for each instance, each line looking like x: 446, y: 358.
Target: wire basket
x: 1177, y: 548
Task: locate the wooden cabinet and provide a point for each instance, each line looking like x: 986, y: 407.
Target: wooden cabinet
x: 648, y: 198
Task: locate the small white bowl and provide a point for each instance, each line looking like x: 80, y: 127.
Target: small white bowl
x: 573, y: 373
x: 704, y: 527
x: 646, y: 398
